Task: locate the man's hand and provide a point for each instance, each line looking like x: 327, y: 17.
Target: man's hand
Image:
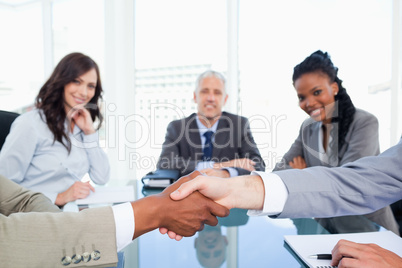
x: 76, y: 191
x: 213, y: 172
x: 351, y: 254
x: 243, y: 163
x: 184, y: 217
x: 245, y: 192
x: 298, y: 162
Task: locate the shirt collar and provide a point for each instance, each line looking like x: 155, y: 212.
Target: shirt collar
x: 203, y: 128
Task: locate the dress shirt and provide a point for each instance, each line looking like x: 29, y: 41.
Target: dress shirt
x: 31, y: 157
x: 125, y: 224
x: 275, y: 196
x: 324, y: 153
x: 210, y: 164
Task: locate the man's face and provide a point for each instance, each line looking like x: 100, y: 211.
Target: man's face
x: 211, y: 246
x: 210, y: 97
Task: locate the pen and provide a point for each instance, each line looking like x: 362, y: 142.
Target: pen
x: 321, y: 256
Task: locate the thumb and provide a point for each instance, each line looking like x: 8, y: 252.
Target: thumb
x: 183, y: 191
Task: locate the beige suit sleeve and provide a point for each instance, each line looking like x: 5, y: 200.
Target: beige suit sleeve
x: 42, y: 239
x: 14, y: 198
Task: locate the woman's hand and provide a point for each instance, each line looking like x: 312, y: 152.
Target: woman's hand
x: 78, y: 190
x: 82, y: 118
x: 298, y: 162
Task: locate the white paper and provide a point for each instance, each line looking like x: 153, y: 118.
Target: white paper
x: 158, y: 183
x: 306, y: 245
x: 108, y: 195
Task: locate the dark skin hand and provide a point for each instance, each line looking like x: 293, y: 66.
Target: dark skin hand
x: 184, y: 217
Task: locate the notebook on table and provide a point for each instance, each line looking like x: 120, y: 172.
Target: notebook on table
x: 306, y: 245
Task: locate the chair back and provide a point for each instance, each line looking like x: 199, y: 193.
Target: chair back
x: 6, y: 119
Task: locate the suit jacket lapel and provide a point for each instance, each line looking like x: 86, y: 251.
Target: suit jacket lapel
x: 222, y: 137
x: 311, y: 141
x: 193, y: 135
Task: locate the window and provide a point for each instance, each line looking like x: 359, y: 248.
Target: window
x: 283, y: 34
x: 174, y: 43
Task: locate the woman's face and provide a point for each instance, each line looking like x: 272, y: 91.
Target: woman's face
x: 316, y: 95
x: 80, y: 91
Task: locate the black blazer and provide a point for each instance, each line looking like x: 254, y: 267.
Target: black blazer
x: 182, y: 148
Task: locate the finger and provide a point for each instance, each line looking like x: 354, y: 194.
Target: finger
x: 217, y: 210
x: 350, y: 263
x: 344, y: 248
x: 194, y: 174
x: 163, y: 230
x: 178, y: 237
x: 211, y: 220
x: 172, y: 235
x: 291, y: 164
x: 90, y: 186
x: 251, y: 168
x: 187, y: 188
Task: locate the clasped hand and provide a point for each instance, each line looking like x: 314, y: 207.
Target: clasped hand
x: 186, y: 216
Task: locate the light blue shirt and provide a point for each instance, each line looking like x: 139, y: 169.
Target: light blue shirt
x: 30, y: 158
x: 210, y: 164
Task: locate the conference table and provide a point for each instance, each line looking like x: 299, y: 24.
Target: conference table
x: 237, y: 241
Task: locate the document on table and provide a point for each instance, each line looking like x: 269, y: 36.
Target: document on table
x: 108, y: 195
x: 306, y: 245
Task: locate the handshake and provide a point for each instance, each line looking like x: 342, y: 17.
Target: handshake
x: 184, y: 207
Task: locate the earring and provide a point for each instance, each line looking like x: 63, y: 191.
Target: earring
x: 336, y: 93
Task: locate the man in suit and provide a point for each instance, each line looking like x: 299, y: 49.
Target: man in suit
x: 216, y: 143
x: 43, y: 236
x: 359, y: 187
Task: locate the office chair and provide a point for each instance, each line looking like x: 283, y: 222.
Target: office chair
x: 6, y: 119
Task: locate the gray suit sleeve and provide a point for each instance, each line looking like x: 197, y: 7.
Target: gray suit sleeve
x: 363, y: 139
x: 360, y: 187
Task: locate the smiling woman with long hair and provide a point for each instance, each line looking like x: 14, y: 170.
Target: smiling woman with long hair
x: 335, y: 133
x: 52, y: 147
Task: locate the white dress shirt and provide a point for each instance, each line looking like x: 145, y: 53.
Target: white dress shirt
x: 210, y: 164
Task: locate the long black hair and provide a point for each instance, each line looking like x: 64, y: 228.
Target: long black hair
x: 51, y: 96
x: 320, y: 62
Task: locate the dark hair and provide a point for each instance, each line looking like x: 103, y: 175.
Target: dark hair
x: 51, y: 96
x: 320, y: 62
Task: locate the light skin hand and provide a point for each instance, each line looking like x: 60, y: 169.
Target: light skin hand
x: 76, y: 191
x: 82, y: 118
x: 213, y: 172
x: 298, y: 162
x: 350, y: 254
x: 243, y: 163
x: 190, y: 214
x: 245, y: 192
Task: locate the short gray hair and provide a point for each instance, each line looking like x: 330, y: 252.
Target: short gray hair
x: 210, y: 73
